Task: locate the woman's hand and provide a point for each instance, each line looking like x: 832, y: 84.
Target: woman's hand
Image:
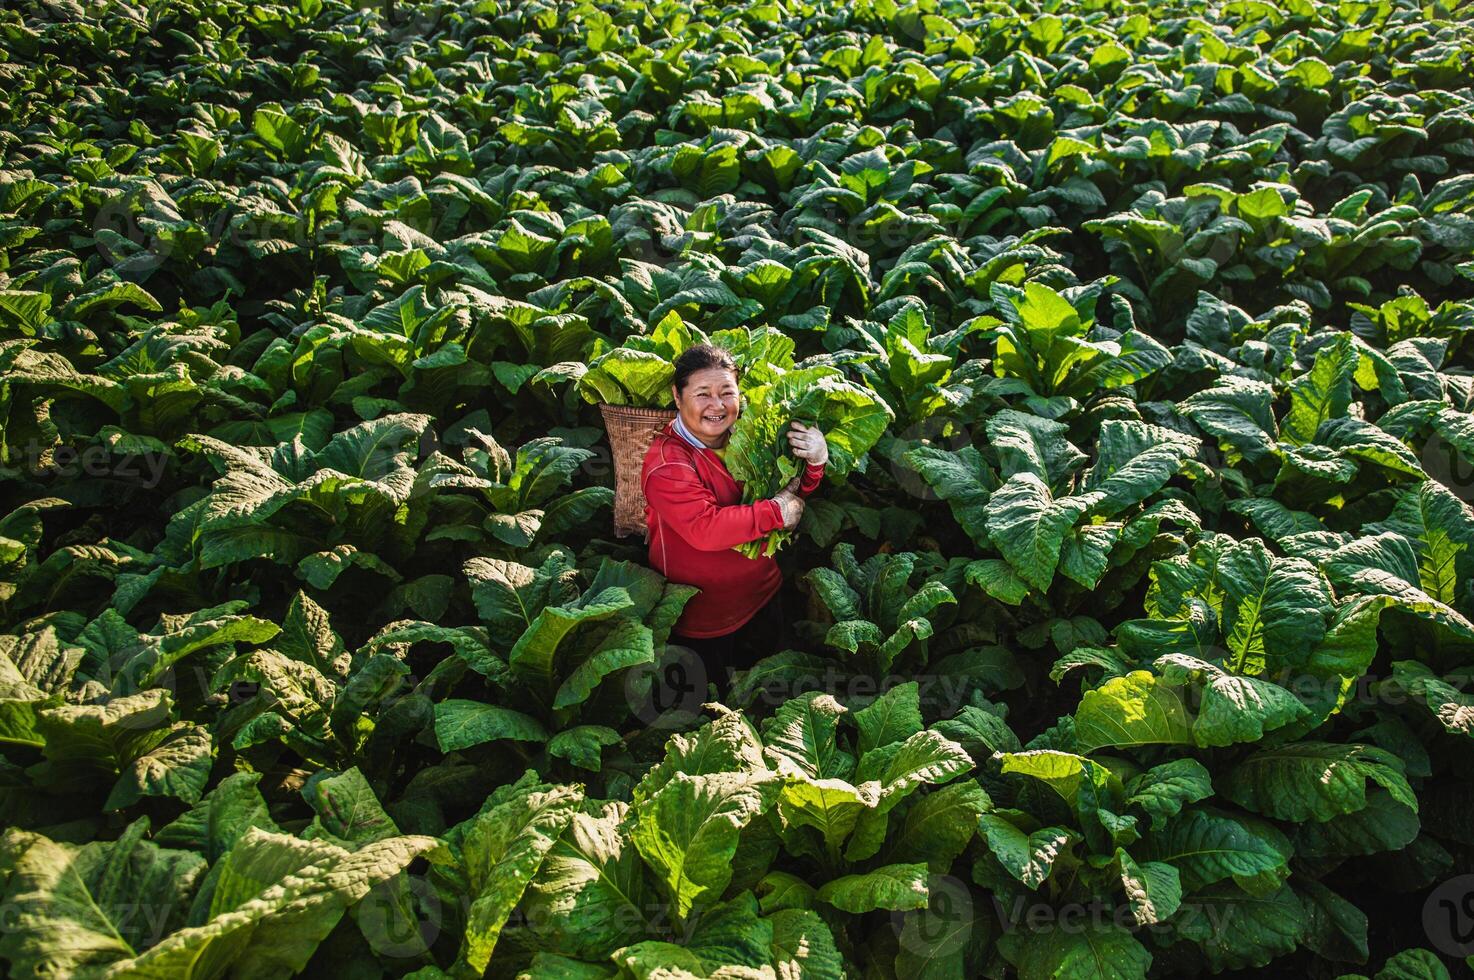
x: 808, y: 443
x: 792, y: 506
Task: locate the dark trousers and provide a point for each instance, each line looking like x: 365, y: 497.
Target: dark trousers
x: 722, y: 656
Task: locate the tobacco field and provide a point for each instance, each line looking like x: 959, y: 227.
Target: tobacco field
x: 1134, y: 621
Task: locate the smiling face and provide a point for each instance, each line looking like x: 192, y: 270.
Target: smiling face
x: 708, y: 404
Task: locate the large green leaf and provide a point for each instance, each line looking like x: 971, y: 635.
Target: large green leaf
x: 1272, y: 611
x: 729, y: 940
x: 1239, y: 930
x: 509, y: 596
x: 1135, y: 461
x: 1029, y: 857
x: 628, y: 643
x: 1441, y: 528
x: 532, y: 656
x: 688, y: 830
x: 1231, y: 708
x: 1314, y: 780
x: 1238, y: 412
x: 460, y: 724
x: 803, y: 946
x: 1096, y: 952
x: 1322, y: 393
x: 1153, y: 889
x: 1029, y: 444
x: 274, y: 899
x: 830, y: 806
x: 1208, y: 847
x: 893, y: 886
x: 73, y: 908
x: 213, y: 826
x: 1136, y: 709
x: 1028, y: 525
x: 963, y: 480
x: 501, y: 849
x: 801, y: 735
x: 1164, y: 789
x: 937, y: 827
x: 727, y: 743
x: 348, y: 812
x: 1453, y: 708
x: 179, y: 766
x: 900, y: 768
x: 590, y: 895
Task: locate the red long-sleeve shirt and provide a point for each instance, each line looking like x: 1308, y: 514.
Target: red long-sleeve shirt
x: 695, y: 517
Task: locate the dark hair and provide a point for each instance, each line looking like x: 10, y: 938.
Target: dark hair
x: 699, y: 358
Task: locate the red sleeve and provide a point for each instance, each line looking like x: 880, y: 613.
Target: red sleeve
x: 688, y: 507
x: 813, y: 476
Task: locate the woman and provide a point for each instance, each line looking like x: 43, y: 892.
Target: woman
x: 695, y: 517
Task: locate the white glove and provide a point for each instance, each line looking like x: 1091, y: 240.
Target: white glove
x: 808, y: 443
x: 792, y: 506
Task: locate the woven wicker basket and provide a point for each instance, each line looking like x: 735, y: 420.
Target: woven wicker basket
x: 630, y: 432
